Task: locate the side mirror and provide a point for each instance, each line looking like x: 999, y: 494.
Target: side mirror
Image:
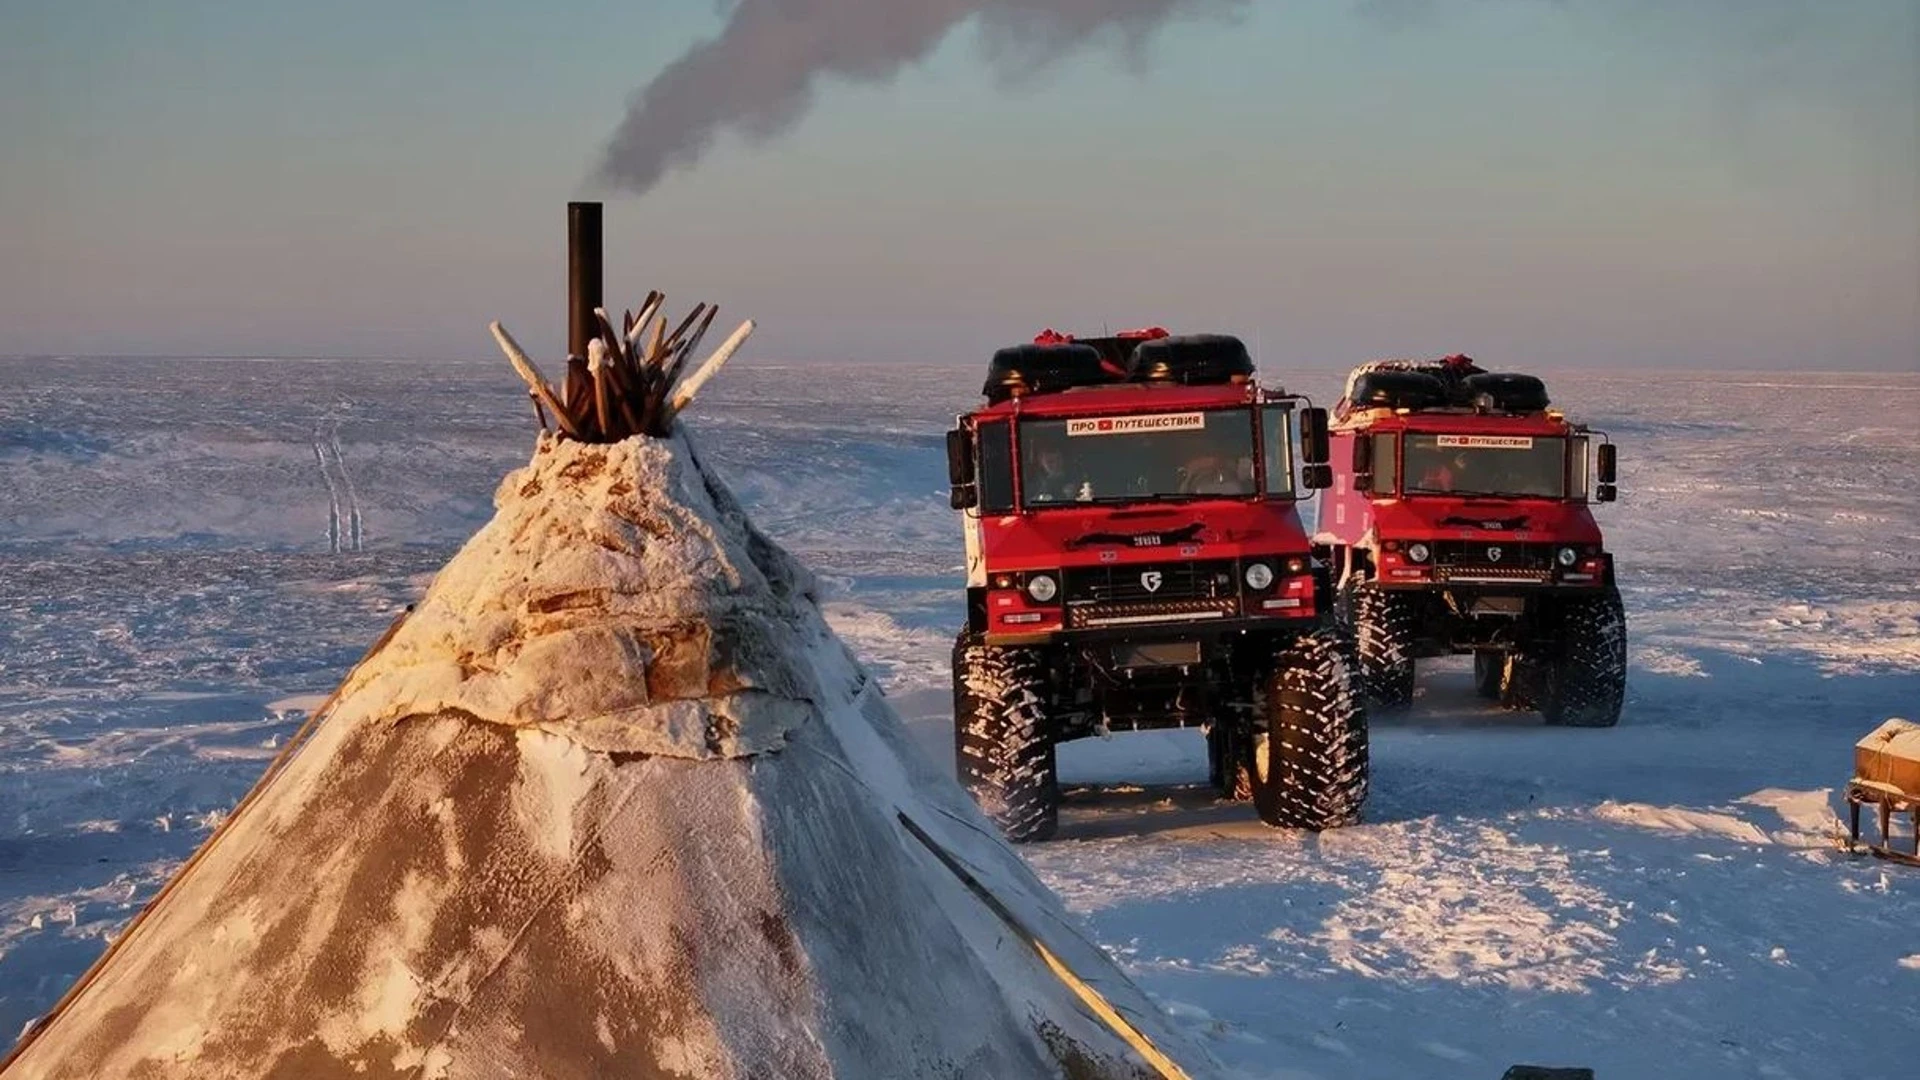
x: 1605, y: 493
x: 1607, y: 462
x: 1316, y: 477
x: 959, y: 458
x: 960, y: 470
x: 1313, y: 436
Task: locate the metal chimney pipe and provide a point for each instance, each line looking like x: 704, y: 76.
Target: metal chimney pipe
x: 583, y: 275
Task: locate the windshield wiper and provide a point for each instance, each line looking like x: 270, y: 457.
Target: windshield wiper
x: 1118, y: 500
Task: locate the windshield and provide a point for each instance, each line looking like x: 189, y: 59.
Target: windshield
x: 1141, y: 456
x: 1510, y: 465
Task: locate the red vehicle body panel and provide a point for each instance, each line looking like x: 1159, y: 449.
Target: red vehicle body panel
x: 1097, y: 535
x: 1382, y: 525
x: 1069, y: 536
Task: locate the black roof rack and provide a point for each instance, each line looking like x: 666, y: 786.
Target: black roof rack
x: 1042, y: 369
x: 1191, y: 360
x: 1447, y: 384
x: 1509, y: 392
x: 1397, y: 390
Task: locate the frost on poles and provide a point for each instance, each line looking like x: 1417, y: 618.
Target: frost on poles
x: 1135, y: 560
x: 1460, y: 521
x: 611, y: 801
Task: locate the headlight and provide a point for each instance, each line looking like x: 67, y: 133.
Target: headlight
x: 1418, y: 552
x: 1568, y: 556
x: 1042, y: 587
x: 1259, y: 575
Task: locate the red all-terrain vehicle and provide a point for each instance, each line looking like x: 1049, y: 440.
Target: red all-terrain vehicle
x: 1135, y: 560
x: 1459, y: 522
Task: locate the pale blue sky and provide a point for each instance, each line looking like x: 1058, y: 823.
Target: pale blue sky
x: 1539, y: 182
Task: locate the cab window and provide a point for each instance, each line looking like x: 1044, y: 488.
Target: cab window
x: 1277, y: 434
x: 996, y: 467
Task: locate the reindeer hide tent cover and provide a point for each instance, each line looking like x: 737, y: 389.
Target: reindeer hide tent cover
x: 612, y: 802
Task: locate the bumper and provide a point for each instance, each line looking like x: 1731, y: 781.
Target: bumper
x: 1188, y: 630
x: 1543, y: 582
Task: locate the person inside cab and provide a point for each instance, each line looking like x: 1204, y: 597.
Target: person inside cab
x: 1445, y: 475
x: 1209, y: 475
x: 1050, y: 479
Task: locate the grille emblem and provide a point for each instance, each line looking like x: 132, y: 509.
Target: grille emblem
x: 1150, y: 581
x: 1493, y: 554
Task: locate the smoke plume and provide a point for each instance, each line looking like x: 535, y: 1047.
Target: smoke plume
x: 757, y: 78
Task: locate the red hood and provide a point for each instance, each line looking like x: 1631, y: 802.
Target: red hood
x: 1439, y: 517
x: 1074, y: 536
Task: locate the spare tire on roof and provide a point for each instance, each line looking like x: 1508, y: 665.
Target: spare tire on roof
x: 1510, y: 393
x: 1191, y: 359
x: 1397, y: 390
x: 1042, y: 369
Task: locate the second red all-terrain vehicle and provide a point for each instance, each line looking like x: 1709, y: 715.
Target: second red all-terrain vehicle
x: 1460, y: 521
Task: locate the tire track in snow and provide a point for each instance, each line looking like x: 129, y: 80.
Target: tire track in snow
x: 333, y: 494
x: 346, y: 481
x: 344, y: 524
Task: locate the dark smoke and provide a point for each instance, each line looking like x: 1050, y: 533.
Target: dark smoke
x: 758, y: 77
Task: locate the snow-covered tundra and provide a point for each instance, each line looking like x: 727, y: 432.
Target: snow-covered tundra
x: 181, y: 576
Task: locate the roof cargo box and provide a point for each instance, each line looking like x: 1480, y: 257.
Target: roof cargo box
x: 1510, y: 393
x: 1042, y: 369
x: 1397, y: 390
x: 1192, y: 360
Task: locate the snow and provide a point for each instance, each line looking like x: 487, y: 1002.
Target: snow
x: 1516, y: 894
x: 587, y: 574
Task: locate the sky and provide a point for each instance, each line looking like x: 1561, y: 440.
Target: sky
x: 1541, y: 183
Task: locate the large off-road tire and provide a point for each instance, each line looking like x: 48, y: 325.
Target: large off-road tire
x: 1489, y: 673
x: 1383, y: 630
x: 1002, y: 748
x: 1308, y: 755
x: 1585, y: 682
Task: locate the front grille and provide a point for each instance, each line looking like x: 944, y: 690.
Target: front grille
x: 1212, y: 579
x: 1491, y: 574
x: 1487, y: 555
x: 1087, y: 616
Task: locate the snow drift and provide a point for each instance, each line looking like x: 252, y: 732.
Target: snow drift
x: 613, y: 801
